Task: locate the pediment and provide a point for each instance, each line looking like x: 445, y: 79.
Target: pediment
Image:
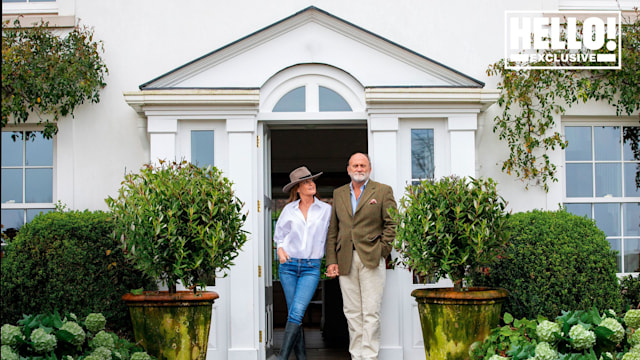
x: 311, y: 36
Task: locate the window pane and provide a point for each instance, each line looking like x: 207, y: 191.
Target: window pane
x: 332, y: 101
x: 422, y: 162
x: 579, y: 138
x: 12, y: 219
x: 11, y: 148
x: 38, y: 186
x: 583, y: 210
x: 39, y: 150
x: 292, y: 101
x: 32, y: 213
x: 607, y: 142
x: 202, y: 148
x: 631, y: 254
x: 11, y: 186
x: 617, y: 247
x: 631, y: 136
x: 631, y: 179
x: 579, y: 180
x: 631, y: 219
x: 608, y: 180
x: 608, y: 218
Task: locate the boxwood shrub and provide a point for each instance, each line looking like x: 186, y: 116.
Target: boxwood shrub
x: 556, y: 261
x: 68, y: 261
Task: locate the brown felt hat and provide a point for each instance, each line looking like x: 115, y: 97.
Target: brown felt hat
x: 299, y: 175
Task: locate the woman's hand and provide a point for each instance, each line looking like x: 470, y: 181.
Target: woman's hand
x: 282, y: 256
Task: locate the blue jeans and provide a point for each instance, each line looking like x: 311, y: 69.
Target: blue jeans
x: 299, y: 278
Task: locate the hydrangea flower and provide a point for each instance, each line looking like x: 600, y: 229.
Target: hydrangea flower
x: 607, y: 356
x: 43, y: 342
x: 544, y: 351
x: 7, y: 353
x: 76, y: 331
x: 103, y: 339
x: 11, y: 334
x: 634, y: 339
x: 493, y: 357
x: 95, y: 322
x: 613, y: 325
x: 582, y: 338
x: 633, y: 354
x: 144, y: 356
x: 102, y: 352
x: 632, y: 318
x: 546, y: 329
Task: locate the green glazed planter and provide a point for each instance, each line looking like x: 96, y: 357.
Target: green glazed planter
x: 453, y: 320
x: 172, y: 326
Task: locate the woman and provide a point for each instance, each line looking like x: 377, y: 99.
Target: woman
x: 301, y: 233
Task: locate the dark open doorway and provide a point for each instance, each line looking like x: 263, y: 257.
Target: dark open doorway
x: 326, y: 149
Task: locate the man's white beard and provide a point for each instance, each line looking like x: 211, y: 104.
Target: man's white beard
x: 359, y: 177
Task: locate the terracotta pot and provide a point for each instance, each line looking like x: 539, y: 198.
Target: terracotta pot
x: 172, y: 326
x: 453, y: 320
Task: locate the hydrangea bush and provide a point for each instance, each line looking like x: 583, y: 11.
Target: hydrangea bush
x: 51, y: 336
x: 574, y: 335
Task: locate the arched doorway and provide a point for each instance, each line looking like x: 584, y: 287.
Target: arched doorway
x: 312, y: 115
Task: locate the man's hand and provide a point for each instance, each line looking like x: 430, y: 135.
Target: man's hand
x: 332, y: 271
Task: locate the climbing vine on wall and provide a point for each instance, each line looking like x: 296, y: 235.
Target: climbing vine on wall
x: 48, y: 75
x: 532, y: 99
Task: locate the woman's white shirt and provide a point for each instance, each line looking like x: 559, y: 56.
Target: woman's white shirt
x: 300, y: 238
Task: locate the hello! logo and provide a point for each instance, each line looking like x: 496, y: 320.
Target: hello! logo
x: 563, y: 40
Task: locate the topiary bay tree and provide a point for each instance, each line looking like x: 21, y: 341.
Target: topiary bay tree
x: 178, y: 223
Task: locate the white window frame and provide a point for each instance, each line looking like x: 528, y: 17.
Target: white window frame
x: 594, y: 199
x: 30, y: 7
x: 440, y: 146
x: 24, y: 205
x: 312, y: 76
x: 220, y: 144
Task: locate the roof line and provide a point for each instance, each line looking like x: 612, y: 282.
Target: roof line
x: 309, y: 8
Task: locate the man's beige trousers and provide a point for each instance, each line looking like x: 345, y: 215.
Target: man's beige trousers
x: 362, y: 295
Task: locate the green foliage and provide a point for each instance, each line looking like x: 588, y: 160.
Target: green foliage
x: 47, y: 74
x: 68, y: 261
x: 52, y: 336
x: 580, y: 334
x: 556, y: 261
x: 630, y: 291
x: 532, y: 99
x: 179, y: 222
x: 450, y: 227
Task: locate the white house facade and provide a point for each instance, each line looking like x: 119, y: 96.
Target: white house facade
x: 258, y: 88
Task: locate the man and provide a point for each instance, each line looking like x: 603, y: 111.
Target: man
x: 361, y: 232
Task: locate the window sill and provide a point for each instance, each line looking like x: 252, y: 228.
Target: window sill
x: 55, y: 21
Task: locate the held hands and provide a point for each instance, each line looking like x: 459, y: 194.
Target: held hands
x: 332, y: 271
x: 283, y: 256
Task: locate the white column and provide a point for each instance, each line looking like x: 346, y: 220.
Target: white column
x: 162, y: 138
x: 462, y: 132
x: 243, y: 307
x: 385, y: 165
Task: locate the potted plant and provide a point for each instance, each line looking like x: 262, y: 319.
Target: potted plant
x: 452, y: 227
x: 178, y: 223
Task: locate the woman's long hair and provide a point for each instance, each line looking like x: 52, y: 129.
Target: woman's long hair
x: 293, y: 194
